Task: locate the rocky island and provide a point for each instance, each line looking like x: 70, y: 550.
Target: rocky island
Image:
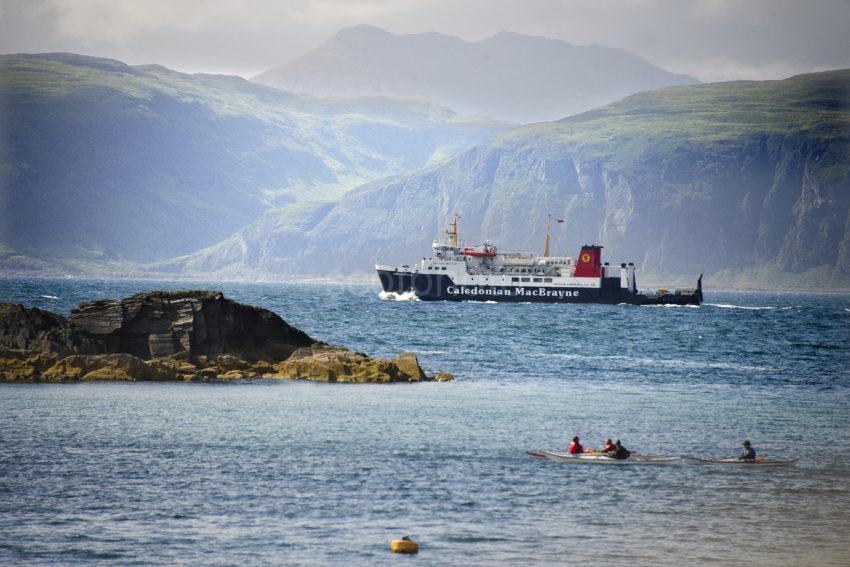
x: 179, y: 336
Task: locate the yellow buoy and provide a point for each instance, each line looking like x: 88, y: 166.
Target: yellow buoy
x: 404, y: 545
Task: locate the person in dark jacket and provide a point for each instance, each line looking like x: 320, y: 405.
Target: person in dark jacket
x: 620, y: 452
x: 749, y: 454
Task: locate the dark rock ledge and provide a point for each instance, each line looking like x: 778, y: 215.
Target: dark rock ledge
x: 182, y: 335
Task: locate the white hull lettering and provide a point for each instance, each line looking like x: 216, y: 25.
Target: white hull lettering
x: 515, y: 292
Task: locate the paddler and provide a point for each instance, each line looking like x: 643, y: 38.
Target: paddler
x: 620, y: 452
x: 749, y: 454
x: 610, y: 447
x: 576, y: 447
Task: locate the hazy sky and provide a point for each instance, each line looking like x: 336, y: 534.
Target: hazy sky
x: 710, y: 39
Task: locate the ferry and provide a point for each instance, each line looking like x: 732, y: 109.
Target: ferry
x: 457, y: 272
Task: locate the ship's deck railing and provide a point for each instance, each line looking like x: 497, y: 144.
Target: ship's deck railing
x: 548, y: 271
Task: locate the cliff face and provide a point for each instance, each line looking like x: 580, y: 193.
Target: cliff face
x: 188, y: 335
x: 706, y: 178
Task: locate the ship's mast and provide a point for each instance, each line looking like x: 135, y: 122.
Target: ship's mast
x: 546, y: 246
x: 452, y: 230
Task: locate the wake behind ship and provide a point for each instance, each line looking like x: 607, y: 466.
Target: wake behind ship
x: 481, y: 273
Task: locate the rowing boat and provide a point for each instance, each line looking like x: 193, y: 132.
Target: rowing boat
x: 608, y: 460
x: 733, y: 461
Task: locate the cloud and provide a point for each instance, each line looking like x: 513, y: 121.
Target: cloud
x: 711, y: 39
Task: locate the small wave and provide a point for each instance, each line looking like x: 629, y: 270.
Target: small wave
x: 669, y: 305
x: 50, y: 297
x: 824, y: 346
x: 489, y: 301
x: 430, y: 351
x: 747, y: 307
x: 393, y: 296
x: 474, y: 539
x: 667, y: 362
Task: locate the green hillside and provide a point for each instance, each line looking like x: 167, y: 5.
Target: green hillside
x: 814, y: 105
x: 746, y: 181
x: 101, y: 162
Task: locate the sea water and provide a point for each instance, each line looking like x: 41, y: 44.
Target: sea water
x: 279, y: 472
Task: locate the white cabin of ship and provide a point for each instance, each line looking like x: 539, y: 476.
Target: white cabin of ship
x: 514, y: 268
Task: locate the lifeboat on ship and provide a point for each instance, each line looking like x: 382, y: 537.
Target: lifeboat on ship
x: 486, y: 251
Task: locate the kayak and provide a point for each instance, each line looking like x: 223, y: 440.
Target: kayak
x: 542, y: 454
x: 732, y: 461
x: 606, y: 460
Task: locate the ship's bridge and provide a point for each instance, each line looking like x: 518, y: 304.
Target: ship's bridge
x: 444, y: 249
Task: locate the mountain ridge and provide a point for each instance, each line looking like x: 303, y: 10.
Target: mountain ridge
x: 508, y: 75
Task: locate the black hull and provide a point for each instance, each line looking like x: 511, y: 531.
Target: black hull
x: 434, y: 287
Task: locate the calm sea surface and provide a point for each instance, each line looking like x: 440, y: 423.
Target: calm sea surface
x: 302, y: 474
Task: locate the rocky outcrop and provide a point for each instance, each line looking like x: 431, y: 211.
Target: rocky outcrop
x: 198, y: 323
x: 31, y: 329
x: 187, y: 335
x: 332, y: 364
x: 444, y: 377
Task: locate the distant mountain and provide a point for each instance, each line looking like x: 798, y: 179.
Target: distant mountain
x: 508, y: 76
x: 746, y: 181
x: 104, y: 162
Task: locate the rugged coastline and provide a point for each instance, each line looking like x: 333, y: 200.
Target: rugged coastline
x: 179, y: 336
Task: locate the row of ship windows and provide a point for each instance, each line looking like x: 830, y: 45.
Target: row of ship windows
x: 501, y: 270
x: 535, y: 280
x: 521, y: 270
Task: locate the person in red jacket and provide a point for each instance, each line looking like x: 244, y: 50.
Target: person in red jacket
x: 609, y: 446
x: 575, y: 447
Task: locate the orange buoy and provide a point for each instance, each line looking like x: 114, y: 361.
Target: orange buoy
x: 404, y: 545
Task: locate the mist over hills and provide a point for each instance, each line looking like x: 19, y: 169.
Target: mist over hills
x: 746, y: 181
x: 116, y: 170
x: 105, y: 162
x: 508, y: 76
